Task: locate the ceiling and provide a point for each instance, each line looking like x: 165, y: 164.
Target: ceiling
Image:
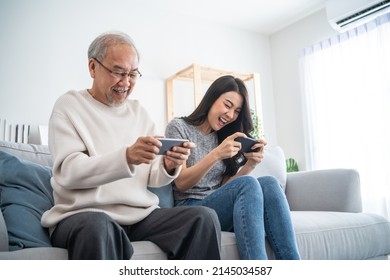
x: 261, y: 16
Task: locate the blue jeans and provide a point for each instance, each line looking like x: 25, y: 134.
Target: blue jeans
x: 254, y: 209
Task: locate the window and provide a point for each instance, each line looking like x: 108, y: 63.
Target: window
x: 346, y: 85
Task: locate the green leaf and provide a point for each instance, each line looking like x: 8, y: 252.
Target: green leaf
x: 257, y: 131
x: 291, y: 165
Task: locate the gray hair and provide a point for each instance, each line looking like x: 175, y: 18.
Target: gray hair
x: 98, y: 47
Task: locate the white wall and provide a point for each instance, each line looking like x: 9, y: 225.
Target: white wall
x: 286, y: 45
x: 44, y: 46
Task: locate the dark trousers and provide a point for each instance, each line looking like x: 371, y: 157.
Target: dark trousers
x: 184, y: 233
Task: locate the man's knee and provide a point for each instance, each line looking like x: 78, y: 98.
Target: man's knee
x: 95, y: 235
x: 207, y: 215
x: 95, y: 222
x: 93, y: 226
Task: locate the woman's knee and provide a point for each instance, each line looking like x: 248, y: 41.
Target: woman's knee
x: 268, y: 180
x: 270, y: 185
x: 249, y: 189
x: 248, y: 183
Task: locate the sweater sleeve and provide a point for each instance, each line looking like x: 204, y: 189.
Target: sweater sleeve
x: 159, y: 177
x: 72, y: 162
x: 176, y: 129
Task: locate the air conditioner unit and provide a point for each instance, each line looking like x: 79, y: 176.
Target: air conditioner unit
x: 347, y: 14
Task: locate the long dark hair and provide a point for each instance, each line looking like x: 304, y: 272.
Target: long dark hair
x: 243, y: 123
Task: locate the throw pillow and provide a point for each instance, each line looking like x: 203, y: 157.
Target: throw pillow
x: 25, y: 194
x: 165, y: 195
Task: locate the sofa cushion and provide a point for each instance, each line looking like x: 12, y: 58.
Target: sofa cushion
x: 36, y: 153
x: 273, y: 164
x: 338, y: 236
x: 25, y: 193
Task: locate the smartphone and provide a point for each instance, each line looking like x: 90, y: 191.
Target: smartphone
x: 246, y: 144
x: 168, y: 143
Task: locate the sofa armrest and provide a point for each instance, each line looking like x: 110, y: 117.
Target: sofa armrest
x: 3, y: 234
x: 324, y: 190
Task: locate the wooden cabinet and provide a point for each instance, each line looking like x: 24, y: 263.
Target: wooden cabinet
x: 198, y: 74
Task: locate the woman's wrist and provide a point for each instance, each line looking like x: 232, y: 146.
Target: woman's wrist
x: 213, y: 156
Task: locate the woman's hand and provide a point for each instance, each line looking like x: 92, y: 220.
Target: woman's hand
x: 228, y: 148
x: 257, y: 155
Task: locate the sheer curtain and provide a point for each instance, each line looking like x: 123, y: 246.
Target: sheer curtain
x: 346, y: 85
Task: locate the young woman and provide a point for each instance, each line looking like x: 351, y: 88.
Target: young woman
x: 215, y: 174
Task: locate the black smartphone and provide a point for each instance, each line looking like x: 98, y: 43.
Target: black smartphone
x: 168, y: 143
x: 246, y: 144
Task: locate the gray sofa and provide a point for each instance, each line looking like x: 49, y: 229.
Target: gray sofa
x: 326, y: 209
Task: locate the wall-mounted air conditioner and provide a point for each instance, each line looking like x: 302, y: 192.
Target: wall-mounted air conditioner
x: 347, y: 14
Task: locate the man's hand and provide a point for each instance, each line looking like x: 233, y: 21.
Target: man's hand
x: 177, y: 156
x: 144, y: 150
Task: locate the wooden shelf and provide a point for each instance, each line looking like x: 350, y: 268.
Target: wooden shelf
x: 198, y: 74
x: 208, y: 74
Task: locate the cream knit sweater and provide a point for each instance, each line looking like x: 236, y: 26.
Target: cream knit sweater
x: 88, y: 141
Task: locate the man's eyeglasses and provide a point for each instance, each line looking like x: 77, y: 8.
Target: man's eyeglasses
x: 133, y: 75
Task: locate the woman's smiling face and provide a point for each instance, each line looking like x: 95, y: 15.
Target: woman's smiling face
x: 224, y: 111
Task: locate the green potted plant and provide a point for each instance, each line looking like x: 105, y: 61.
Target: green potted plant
x: 257, y: 131
x: 291, y: 165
